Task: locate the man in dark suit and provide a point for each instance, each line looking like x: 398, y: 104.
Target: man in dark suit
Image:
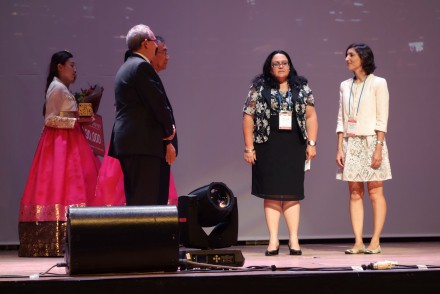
x: 144, y: 128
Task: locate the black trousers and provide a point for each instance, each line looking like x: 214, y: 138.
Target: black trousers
x: 146, y: 179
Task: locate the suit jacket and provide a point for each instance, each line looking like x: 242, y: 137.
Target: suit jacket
x: 143, y: 112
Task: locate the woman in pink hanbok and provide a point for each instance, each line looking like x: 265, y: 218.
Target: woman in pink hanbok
x: 110, y: 186
x: 64, y: 169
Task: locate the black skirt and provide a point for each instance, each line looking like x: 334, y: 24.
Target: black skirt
x: 278, y: 173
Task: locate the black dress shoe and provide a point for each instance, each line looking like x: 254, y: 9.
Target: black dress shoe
x: 294, y: 251
x: 272, y: 252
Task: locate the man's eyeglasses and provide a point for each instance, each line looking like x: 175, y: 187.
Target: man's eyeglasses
x: 280, y: 64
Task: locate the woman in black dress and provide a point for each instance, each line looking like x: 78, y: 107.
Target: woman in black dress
x: 280, y: 127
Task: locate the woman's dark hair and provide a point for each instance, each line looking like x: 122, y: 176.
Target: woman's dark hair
x: 268, y: 79
x: 366, y: 56
x: 60, y: 57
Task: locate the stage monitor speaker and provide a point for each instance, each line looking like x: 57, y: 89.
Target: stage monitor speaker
x: 211, y: 207
x: 122, y: 239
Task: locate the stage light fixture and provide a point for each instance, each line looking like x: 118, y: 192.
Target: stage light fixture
x: 212, y: 206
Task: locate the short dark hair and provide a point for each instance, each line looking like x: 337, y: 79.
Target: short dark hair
x: 366, y: 55
x: 160, y: 39
x: 127, y: 54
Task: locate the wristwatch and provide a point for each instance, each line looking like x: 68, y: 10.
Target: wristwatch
x: 311, y: 143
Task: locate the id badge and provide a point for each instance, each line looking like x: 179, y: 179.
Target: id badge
x: 285, y: 120
x: 351, y: 128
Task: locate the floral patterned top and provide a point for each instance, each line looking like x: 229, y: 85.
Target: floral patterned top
x: 256, y: 105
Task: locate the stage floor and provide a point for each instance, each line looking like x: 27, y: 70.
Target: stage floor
x: 317, y: 260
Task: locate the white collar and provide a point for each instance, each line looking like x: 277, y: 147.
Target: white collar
x: 143, y: 56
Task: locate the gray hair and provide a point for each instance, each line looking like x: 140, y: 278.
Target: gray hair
x: 136, y: 35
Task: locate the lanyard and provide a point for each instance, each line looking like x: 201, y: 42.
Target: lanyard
x: 360, y: 96
x: 288, y: 99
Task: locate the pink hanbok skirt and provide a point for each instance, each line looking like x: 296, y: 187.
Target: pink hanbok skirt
x: 110, y: 185
x: 63, y: 174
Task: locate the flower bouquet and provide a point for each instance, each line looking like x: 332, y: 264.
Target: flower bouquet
x: 91, y: 95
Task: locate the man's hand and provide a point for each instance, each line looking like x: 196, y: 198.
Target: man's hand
x: 170, y: 156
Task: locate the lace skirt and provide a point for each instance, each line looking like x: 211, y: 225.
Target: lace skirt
x: 358, y: 152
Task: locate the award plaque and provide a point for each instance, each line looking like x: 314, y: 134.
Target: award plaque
x: 85, y: 109
x: 91, y: 95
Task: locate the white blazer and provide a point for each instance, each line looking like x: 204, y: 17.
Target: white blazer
x: 372, y: 114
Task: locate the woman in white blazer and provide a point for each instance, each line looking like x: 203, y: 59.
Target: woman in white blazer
x: 362, y: 155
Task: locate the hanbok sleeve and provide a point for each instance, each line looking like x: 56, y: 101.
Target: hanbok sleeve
x: 61, y: 111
